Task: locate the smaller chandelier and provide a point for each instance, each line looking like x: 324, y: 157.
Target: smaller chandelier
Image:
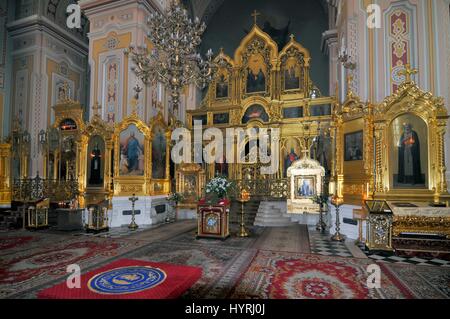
x: 174, y: 60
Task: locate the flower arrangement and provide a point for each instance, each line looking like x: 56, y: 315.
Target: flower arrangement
x: 175, y: 198
x: 218, y: 188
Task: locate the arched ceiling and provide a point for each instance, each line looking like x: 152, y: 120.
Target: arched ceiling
x: 205, y: 9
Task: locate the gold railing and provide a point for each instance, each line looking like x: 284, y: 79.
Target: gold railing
x: 263, y: 188
x: 33, y: 189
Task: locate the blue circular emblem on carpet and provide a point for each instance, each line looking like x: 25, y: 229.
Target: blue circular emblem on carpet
x: 126, y: 280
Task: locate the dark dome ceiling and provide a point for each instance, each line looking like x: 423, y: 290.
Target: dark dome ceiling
x: 205, y: 9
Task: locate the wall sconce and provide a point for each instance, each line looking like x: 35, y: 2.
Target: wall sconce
x: 346, y: 59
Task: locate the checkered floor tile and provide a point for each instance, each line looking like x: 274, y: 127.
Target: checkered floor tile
x: 388, y: 258
x: 321, y: 244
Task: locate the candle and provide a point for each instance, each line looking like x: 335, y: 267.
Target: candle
x: 332, y: 188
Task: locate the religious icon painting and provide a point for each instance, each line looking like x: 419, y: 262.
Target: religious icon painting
x: 132, y: 151
x: 159, y: 148
x: 221, y: 118
x: 293, y: 75
x: 353, y: 146
x: 203, y: 118
x: 211, y: 223
x: 255, y: 112
x: 305, y: 187
x: 320, y: 110
x: 294, y: 112
x: 222, y: 85
x: 256, y: 74
x: 409, y: 152
x: 291, y: 154
x: 190, y: 188
x: 95, y: 161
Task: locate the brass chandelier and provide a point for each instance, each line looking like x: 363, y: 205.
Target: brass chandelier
x: 174, y: 60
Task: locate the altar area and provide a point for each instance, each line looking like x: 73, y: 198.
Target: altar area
x: 334, y: 154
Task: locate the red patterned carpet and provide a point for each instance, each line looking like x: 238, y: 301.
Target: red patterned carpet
x: 303, y: 276
x: 52, y: 260
x: 235, y: 268
x: 129, y: 279
x: 13, y: 242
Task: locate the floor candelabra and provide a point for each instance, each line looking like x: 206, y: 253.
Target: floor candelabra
x: 337, y: 202
x: 245, y: 197
x: 133, y: 225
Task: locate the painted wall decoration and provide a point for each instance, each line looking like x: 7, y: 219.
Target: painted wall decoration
x: 256, y: 74
x: 400, y: 33
x: 95, y: 161
x: 21, y: 95
x: 409, y: 152
x: 132, y: 152
x: 353, y: 146
x: 159, y: 148
x: 111, y: 92
x: 255, y: 112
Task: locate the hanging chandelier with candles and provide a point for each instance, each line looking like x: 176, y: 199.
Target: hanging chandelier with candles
x: 174, y: 60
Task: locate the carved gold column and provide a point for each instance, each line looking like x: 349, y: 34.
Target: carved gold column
x: 109, y: 147
x: 378, y: 158
x: 306, y: 80
x: 167, y: 186
x: 5, y: 175
x: 441, y: 188
x: 369, y: 153
x: 82, y: 149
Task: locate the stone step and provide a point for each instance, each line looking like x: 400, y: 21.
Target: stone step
x: 272, y: 215
x: 273, y: 223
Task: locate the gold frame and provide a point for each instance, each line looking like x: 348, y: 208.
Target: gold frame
x: 160, y: 186
x: 376, y: 169
x: 296, y: 50
x: 96, y: 127
x: 297, y: 182
x: 410, y: 99
x: 5, y: 175
x: 69, y: 109
x: 274, y: 100
x: 192, y: 170
x: 129, y: 185
x: 257, y: 42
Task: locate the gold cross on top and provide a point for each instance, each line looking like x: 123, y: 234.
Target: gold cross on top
x: 408, y: 72
x: 255, y: 15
